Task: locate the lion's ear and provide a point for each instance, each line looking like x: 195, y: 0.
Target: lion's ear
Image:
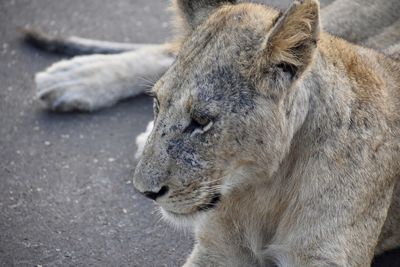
x: 193, y: 12
x: 291, y: 43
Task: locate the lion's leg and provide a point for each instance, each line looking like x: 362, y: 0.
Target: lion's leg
x: 338, y: 224
x: 390, y: 235
x: 324, y: 245
x: 202, y: 256
x: 142, y: 138
x: 199, y: 257
x: 97, y: 81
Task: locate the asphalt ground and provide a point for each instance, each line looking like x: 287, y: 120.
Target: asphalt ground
x: 66, y: 197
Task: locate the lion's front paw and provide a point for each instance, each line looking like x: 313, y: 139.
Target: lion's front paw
x: 82, y: 83
x: 141, y: 140
x: 65, y: 98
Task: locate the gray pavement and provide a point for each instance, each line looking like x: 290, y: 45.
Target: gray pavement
x: 66, y: 197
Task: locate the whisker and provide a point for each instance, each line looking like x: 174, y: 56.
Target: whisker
x: 147, y: 80
x: 212, y: 181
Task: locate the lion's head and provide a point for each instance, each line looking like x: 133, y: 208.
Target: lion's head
x: 227, y: 109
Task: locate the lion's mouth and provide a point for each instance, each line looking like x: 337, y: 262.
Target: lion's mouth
x: 216, y: 198
x: 187, y: 219
x: 211, y: 204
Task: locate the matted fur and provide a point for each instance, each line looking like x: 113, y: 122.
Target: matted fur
x: 281, y: 151
x: 277, y: 143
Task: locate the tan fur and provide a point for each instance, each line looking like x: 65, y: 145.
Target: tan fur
x: 297, y: 27
x: 295, y: 130
x: 277, y: 143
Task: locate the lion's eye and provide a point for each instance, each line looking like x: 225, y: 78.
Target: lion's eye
x: 199, y: 124
x: 200, y: 120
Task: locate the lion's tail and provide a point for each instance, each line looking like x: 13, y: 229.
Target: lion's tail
x: 72, y: 45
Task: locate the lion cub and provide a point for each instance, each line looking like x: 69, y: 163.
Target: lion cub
x: 278, y: 143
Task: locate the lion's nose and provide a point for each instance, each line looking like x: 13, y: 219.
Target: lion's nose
x: 155, y: 195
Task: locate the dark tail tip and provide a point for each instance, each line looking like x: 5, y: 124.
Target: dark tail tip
x: 39, y: 39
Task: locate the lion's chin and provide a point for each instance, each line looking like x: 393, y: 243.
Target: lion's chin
x: 189, y: 220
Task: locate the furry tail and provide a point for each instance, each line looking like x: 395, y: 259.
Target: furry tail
x: 73, y: 46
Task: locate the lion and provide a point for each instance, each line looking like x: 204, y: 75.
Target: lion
x: 275, y: 141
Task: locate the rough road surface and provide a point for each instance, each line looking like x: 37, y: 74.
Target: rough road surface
x: 66, y: 197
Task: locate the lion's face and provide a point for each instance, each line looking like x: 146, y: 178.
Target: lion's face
x: 205, y: 114
x: 200, y: 132
x: 213, y: 128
